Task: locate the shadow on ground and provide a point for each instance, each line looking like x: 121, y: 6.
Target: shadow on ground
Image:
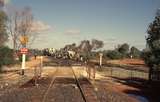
x: 147, y: 90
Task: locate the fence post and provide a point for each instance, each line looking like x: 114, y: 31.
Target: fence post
x: 35, y: 75
x: 41, y: 66
x: 94, y: 72
x: 89, y: 70
x: 111, y: 71
x: 131, y: 75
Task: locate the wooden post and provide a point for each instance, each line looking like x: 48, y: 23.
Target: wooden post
x: 41, y: 66
x: 100, y: 59
x: 89, y: 70
x: 94, y: 74
x: 35, y: 75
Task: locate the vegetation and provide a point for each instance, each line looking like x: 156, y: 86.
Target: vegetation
x: 20, y: 27
x: 114, y: 54
x: 20, y: 58
x: 3, y: 31
x: 85, y: 49
x: 134, y: 52
x: 123, y: 51
x: 152, y: 53
x: 6, y: 56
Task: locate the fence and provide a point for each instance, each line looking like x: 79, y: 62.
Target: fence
x: 119, y: 72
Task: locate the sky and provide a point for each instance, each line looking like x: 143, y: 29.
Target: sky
x: 71, y: 21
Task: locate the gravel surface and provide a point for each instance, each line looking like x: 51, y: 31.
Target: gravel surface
x: 64, y: 93
x: 108, y: 95
x: 63, y: 90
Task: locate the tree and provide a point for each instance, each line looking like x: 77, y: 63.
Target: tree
x: 3, y: 31
x: 70, y: 47
x: 96, y: 44
x: 134, y: 52
x: 20, y: 25
x: 114, y: 54
x: 124, y: 49
x: 153, y: 43
x: 6, y: 55
x: 86, y: 47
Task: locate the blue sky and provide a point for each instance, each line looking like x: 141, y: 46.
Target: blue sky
x: 113, y: 21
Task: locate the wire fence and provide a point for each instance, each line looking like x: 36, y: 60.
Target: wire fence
x: 118, y: 72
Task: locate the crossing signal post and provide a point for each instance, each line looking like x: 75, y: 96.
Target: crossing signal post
x: 23, y: 51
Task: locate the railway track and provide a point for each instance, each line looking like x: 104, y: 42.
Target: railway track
x: 82, y: 88
x: 61, y: 85
x: 86, y: 89
x: 79, y: 86
x: 66, y: 82
x: 50, y: 85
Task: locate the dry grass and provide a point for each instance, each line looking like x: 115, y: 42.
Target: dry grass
x: 127, y: 62
x: 35, y: 62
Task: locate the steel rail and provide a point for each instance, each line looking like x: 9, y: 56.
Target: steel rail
x: 79, y: 86
x: 49, y: 87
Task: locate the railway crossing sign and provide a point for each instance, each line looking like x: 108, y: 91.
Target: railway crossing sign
x: 23, y: 39
x: 23, y: 50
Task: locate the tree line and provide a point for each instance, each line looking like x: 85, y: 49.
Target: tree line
x: 91, y: 49
x: 123, y: 51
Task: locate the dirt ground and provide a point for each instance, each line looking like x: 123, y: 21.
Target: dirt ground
x: 107, y: 89
x: 63, y: 90
x: 127, y: 62
x: 137, y: 88
x: 11, y: 77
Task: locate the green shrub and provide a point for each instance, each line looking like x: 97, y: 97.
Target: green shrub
x: 6, y: 56
x: 20, y: 58
x: 114, y: 54
x: 135, y: 52
x: 124, y: 50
